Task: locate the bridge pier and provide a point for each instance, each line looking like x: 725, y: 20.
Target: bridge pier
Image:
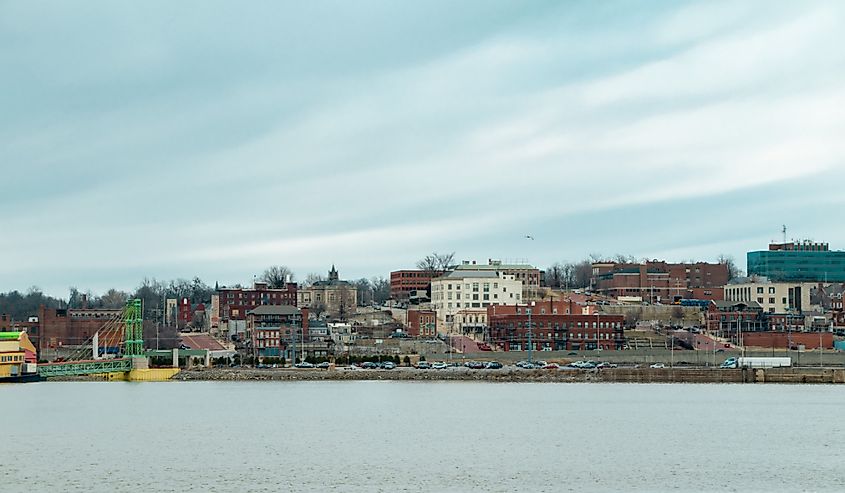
x: 140, y: 363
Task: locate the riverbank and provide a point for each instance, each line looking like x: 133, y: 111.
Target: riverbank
x: 610, y: 375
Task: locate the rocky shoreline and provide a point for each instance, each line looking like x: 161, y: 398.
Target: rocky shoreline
x: 402, y: 374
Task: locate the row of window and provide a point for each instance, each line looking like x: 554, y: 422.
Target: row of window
x: 15, y: 358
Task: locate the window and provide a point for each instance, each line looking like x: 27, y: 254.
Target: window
x: 772, y: 301
x: 771, y: 290
x: 760, y: 290
x: 495, y: 285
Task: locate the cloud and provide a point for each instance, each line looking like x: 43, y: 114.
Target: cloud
x: 186, y: 156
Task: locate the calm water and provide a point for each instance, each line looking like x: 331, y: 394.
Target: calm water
x: 415, y: 436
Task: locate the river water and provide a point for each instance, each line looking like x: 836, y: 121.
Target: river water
x: 420, y: 436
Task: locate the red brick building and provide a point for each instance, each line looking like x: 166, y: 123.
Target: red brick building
x: 660, y: 282
x: 402, y: 282
x: 422, y: 323
x: 236, y: 302
x: 186, y: 313
x: 728, y: 318
x: 792, y: 340
x: 554, y: 327
x: 61, y: 327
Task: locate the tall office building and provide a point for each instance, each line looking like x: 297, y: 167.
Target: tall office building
x: 798, y: 261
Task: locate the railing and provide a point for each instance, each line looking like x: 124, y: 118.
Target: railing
x: 84, y: 367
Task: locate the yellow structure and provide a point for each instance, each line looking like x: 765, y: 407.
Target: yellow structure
x: 14, y: 347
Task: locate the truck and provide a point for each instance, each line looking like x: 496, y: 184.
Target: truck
x: 773, y: 362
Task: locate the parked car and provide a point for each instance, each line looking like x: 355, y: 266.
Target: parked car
x: 605, y: 364
x: 422, y: 365
x: 494, y: 365
x: 658, y: 365
x: 439, y: 366
x: 551, y: 366
x: 475, y: 365
x: 324, y: 365
x: 304, y: 364
x: 369, y: 365
x: 389, y: 365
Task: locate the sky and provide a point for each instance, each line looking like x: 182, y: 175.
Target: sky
x: 166, y: 139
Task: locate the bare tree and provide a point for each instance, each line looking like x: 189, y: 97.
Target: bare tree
x: 313, y: 278
x: 555, y: 275
x: 277, y: 276
x: 318, y: 309
x: 365, y: 291
x: 114, y: 299
x: 436, y: 263
x: 381, y: 289
x: 733, y: 270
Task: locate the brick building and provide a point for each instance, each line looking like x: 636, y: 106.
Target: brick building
x: 60, y: 327
x: 404, y: 282
x: 234, y: 303
x: 788, y: 340
x: 271, y: 329
x: 554, y: 327
x: 728, y: 318
x: 659, y: 282
x: 422, y: 323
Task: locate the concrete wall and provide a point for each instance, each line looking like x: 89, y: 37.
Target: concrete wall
x: 648, y: 356
x: 662, y: 313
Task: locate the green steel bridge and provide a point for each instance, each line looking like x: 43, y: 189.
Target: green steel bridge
x: 132, y: 327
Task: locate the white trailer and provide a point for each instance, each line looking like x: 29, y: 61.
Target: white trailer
x: 766, y: 362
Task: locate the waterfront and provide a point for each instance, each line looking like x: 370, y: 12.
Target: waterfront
x: 421, y: 436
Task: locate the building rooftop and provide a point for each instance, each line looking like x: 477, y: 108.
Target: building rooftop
x: 484, y: 274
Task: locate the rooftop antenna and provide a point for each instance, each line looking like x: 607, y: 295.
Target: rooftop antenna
x: 784, y: 234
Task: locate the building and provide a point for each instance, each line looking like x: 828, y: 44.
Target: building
x: 527, y: 274
x: 334, y: 298
x: 658, y: 281
x: 17, y: 355
x: 71, y: 327
x: 798, y: 262
x: 552, y: 326
x: 422, y: 323
x: 404, y: 282
x: 185, y: 313
x: 773, y: 297
x: 729, y: 318
x: 171, y: 312
x: 466, y: 293
x: 234, y: 303
x: 271, y: 329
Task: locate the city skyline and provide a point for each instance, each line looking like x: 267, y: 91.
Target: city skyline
x: 169, y: 141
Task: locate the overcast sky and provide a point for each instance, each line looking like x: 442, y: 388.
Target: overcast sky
x: 172, y: 139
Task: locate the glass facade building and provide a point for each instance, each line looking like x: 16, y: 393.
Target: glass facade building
x: 798, y: 262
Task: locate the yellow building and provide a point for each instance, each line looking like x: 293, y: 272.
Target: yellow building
x: 17, y: 356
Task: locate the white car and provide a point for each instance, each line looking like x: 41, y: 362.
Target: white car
x: 439, y: 366
x: 658, y: 365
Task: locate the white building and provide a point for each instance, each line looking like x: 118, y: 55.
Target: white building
x: 461, y: 297
x: 774, y: 297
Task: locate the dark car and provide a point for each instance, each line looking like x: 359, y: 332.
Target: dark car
x: 422, y: 365
x: 369, y: 365
x: 494, y: 365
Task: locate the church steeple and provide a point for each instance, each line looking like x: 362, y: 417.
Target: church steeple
x: 333, y: 276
